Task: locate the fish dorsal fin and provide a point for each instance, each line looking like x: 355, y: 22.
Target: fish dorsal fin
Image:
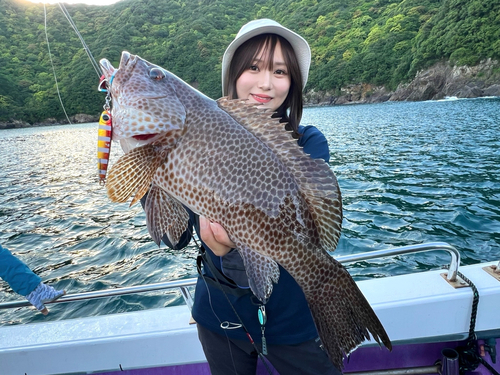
x: 315, y: 179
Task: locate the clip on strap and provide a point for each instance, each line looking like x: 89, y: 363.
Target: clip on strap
x: 262, y: 320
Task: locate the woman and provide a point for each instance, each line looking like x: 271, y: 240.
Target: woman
x: 25, y: 282
x: 267, y: 64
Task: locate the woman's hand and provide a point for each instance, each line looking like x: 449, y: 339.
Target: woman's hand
x: 215, y: 237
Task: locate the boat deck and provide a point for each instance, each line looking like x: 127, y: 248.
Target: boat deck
x: 415, y: 309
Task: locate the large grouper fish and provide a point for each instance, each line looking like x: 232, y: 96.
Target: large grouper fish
x: 232, y: 163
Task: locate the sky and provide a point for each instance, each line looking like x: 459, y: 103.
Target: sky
x: 90, y: 2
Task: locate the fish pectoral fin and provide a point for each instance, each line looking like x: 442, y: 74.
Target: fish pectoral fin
x: 262, y: 272
x: 133, y: 173
x: 165, y: 216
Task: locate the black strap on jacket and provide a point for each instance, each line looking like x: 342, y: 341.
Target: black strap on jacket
x: 219, y: 280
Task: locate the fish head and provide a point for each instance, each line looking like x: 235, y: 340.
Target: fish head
x: 144, y: 101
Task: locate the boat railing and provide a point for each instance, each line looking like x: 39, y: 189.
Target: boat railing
x: 185, y: 284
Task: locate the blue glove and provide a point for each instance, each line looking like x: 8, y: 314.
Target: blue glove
x: 43, y: 293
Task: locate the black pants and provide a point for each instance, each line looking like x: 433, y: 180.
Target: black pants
x: 238, y: 357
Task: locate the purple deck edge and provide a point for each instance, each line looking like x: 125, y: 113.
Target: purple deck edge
x: 364, y: 359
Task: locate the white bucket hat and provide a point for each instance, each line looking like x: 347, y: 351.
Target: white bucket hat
x: 267, y: 26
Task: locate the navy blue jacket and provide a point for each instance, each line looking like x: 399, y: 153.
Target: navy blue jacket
x: 289, y: 320
x: 17, y: 274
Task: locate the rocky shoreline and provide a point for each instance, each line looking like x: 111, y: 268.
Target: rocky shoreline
x: 76, y: 119
x: 438, y: 82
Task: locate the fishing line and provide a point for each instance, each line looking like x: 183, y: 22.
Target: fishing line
x: 259, y: 353
x: 220, y: 322
x: 52, y: 63
x: 211, y: 305
x: 94, y: 63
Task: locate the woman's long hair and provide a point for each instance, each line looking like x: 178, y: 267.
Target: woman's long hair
x: 291, y: 109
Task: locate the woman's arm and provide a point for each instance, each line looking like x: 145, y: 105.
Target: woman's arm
x: 314, y: 143
x: 215, y: 236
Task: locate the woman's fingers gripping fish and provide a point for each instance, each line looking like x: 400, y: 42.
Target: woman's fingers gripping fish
x: 232, y: 163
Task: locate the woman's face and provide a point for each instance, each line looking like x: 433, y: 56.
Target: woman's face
x: 259, y: 84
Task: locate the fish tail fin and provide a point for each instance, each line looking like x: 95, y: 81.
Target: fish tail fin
x: 343, y: 316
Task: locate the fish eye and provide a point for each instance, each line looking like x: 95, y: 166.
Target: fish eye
x: 156, y: 74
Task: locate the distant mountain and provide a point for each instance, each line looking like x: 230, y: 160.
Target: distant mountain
x: 379, y: 43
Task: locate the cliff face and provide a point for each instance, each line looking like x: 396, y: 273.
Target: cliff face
x: 440, y: 81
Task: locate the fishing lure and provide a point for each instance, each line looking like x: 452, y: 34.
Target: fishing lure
x: 104, y: 144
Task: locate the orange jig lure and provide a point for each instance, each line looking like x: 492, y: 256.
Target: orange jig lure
x: 104, y: 145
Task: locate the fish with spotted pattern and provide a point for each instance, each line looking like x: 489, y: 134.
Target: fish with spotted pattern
x: 232, y: 163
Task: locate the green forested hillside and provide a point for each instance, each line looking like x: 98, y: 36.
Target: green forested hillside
x: 382, y: 42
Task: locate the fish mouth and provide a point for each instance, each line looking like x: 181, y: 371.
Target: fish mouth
x: 135, y: 141
x: 144, y: 137
x: 107, y: 69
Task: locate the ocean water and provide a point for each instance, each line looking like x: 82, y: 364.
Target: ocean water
x: 409, y: 173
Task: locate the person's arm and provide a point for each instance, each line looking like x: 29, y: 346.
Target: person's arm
x: 25, y: 282
x: 314, y: 143
x: 18, y: 275
x: 215, y: 236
